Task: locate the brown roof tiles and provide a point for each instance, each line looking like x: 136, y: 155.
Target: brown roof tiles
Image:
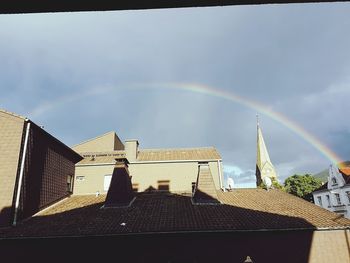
x: 198, y: 154
x: 149, y: 155
x: 241, y: 210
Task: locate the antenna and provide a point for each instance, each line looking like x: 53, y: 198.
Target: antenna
x: 230, y: 183
x: 257, y: 119
x: 267, y: 181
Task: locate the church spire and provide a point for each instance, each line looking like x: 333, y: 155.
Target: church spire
x: 264, y: 167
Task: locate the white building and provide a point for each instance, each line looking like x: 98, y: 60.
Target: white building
x: 335, y: 194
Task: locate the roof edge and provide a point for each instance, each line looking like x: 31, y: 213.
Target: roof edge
x: 77, y: 155
x: 13, y: 114
x: 184, y: 232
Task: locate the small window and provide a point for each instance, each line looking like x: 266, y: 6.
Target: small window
x: 69, y: 183
x: 337, y: 196
x: 135, y: 187
x: 334, y: 181
x: 348, y: 195
x: 163, y: 185
x: 319, y: 198
x: 107, y: 182
x: 328, y: 200
x: 80, y: 178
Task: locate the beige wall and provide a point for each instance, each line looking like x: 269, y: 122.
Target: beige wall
x: 11, y: 130
x: 330, y: 246
x: 107, y: 142
x: 180, y: 175
x: 93, y: 178
x: 145, y: 175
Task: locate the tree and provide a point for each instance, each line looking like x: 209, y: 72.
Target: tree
x: 302, y: 185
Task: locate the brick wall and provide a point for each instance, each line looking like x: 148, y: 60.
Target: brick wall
x: 11, y: 131
x: 48, y: 165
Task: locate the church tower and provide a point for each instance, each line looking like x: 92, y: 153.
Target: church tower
x: 264, y: 167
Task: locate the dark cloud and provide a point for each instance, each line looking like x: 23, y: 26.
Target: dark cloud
x: 76, y: 75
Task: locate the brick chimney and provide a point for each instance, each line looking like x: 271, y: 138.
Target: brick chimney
x: 120, y: 193
x: 131, y: 149
x: 205, y: 192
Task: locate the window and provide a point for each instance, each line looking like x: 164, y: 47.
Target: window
x: 337, y: 196
x: 69, y: 183
x: 348, y: 195
x: 319, y: 198
x: 334, y: 181
x: 80, y: 178
x: 135, y: 187
x: 163, y: 185
x: 107, y: 182
x: 328, y: 200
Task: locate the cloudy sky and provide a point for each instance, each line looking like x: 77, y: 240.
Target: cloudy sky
x: 83, y: 74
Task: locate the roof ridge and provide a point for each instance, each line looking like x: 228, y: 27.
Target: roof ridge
x: 178, y: 149
x: 104, y: 152
x: 13, y: 114
x: 94, y: 138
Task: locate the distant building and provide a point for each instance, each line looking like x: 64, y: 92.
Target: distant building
x: 266, y: 226
x: 36, y: 169
x: 335, y: 194
x: 264, y: 166
x: 200, y: 225
x: 173, y: 170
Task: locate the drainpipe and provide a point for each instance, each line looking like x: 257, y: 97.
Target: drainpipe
x: 20, y: 179
x: 220, y: 175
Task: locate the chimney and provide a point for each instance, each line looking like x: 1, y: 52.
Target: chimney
x: 120, y: 193
x: 205, y: 192
x: 131, y: 150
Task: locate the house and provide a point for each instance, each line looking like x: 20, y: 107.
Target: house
x: 335, y: 194
x: 36, y: 169
x: 199, y: 223
x: 207, y: 226
x: 173, y: 170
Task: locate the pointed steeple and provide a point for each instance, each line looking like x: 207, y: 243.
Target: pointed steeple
x: 264, y: 167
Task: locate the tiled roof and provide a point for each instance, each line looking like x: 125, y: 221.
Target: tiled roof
x: 205, y: 153
x: 147, y: 155
x: 241, y: 210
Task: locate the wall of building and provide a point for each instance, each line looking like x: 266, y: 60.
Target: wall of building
x: 89, y: 179
x: 11, y: 134
x: 342, y: 208
x: 107, y: 142
x: 144, y: 176
x: 330, y: 246
x: 49, y: 165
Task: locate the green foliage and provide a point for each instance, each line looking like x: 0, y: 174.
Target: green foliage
x: 302, y: 185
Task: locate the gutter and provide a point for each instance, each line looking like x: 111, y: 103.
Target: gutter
x: 175, y: 161
x: 153, y: 233
x: 20, y: 179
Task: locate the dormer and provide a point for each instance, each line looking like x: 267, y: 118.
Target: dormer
x: 335, y: 178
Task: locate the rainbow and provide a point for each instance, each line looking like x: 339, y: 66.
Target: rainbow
x: 230, y: 96
x: 206, y: 90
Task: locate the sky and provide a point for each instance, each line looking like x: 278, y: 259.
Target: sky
x: 189, y: 77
